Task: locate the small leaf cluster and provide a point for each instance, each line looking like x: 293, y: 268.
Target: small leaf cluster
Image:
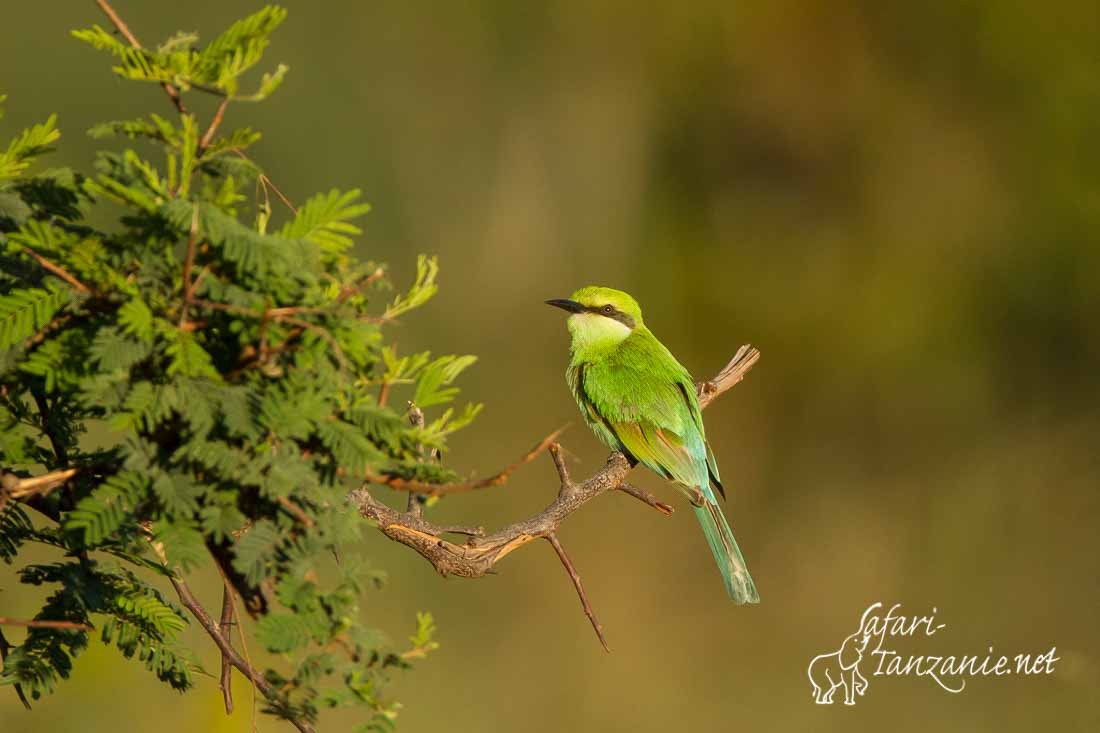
x: 217, y: 371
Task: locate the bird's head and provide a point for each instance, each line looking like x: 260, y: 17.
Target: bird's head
x: 600, y: 316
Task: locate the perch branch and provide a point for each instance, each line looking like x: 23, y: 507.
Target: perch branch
x: 480, y: 554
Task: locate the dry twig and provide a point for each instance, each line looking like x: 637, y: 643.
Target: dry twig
x: 44, y: 624
x: 20, y: 488
x: 225, y: 625
x: 214, y: 631
x: 430, y: 489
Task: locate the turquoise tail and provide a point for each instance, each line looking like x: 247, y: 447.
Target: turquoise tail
x: 731, y: 564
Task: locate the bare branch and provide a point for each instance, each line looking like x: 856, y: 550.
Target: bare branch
x: 225, y: 625
x: 19, y: 488
x: 576, y: 578
x: 227, y: 587
x: 44, y: 624
x: 212, y: 628
x: 58, y: 270
x: 646, y: 497
x: 296, y: 510
x: 430, y: 489
x: 188, y: 263
x: 187, y: 598
x: 208, y: 136
x: 558, y: 456
x: 732, y: 373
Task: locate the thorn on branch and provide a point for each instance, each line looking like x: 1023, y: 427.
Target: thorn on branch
x: 576, y: 578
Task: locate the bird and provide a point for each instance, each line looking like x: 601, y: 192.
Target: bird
x: 639, y: 400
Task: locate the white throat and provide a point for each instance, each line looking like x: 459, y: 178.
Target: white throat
x: 590, y: 330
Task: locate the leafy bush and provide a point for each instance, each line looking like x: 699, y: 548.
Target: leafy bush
x: 199, y: 384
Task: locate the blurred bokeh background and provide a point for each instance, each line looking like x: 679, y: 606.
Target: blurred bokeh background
x: 898, y: 203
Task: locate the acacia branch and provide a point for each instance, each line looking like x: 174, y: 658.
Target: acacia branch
x: 480, y: 554
x: 576, y: 578
x: 188, y: 263
x: 221, y: 640
x: 187, y: 598
x: 58, y: 270
x: 225, y: 626
x: 208, y: 136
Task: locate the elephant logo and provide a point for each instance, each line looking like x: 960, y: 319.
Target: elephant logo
x: 828, y: 672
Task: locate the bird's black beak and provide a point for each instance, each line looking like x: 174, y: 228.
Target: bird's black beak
x: 566, y: 305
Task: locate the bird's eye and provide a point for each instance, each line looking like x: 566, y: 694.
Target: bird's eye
x: 608, y: 309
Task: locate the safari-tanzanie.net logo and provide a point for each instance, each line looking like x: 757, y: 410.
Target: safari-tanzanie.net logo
x: 871, y: 652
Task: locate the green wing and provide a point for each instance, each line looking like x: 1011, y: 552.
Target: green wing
x: 642, y: 401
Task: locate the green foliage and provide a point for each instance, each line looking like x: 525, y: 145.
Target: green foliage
x: 233, y: 358
x: 133, y: 613
x: 324, y: 220
x: 216, y: 68
x: 26, y: 311
x: 28, y: 145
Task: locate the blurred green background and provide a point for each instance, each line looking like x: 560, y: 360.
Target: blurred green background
x: 898, y: 203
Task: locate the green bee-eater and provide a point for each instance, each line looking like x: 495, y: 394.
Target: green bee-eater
x: 639, y: 400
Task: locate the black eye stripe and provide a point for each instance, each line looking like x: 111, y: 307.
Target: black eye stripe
x: 616, y: 314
